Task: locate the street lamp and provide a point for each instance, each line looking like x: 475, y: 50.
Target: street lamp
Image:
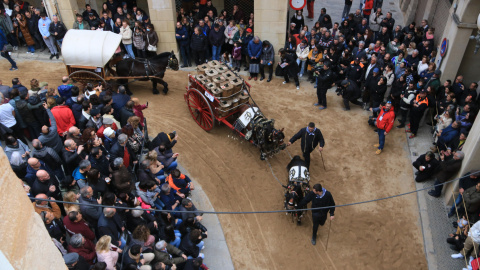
x: 477, y: 38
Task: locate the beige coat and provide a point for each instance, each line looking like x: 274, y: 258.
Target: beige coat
x: 126, y: 35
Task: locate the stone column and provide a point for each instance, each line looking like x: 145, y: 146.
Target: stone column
x: 66, y: 9
x: 26, y: 243
x: 271, y: 22
x: 163, y: 17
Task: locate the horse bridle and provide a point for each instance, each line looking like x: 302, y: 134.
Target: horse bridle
x: 171, y: 60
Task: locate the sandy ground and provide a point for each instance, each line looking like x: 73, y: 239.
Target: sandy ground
x: 380, y: 235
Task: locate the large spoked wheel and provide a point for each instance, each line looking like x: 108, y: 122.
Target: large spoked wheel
x: 200, y: 109
x: 85, y: 76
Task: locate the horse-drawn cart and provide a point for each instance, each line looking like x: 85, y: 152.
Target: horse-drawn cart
x: 92, y: 56
x: 218, y: 94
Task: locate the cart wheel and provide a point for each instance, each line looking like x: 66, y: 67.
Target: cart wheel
x: 200, y: 109
x: 86, y: 76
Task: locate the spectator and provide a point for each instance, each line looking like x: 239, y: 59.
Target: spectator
x: 74, y: 223
x: 190, y: 244
x: 139, y: 42
x: 80, y: 173
x: 49, y: 156
x: 4, y: 53
x: 446, y: 136
x: 167, y: 158
x: 65, y: 90
x: 23, y: 29
x: 127, y: 112
x: 267, y: 57
x: 302, y: 54
x: 181, y: 34
x: 467, y: 181
x: 216, y: 39
x: 198, y: 45
x: 120, y: 149
x: 416, y: 113
x: 107, y: 252
x: 74, y: 261
x: 254, y: 53
x: 290, y: 67
x: 83, y: 247
x: 298, y: 20
x: 135, y: 256
x: 58, y: 30
x: 191, y: 210
x: 34, y: 165
x: 426, y: 166
x: 170, y: 197
x: 72, y: 155
x: 44, y: 26
x: 45, y: 206
x: 472, y: 242
x: 46, y: 185
x: 63, y: 117
x: 110, y: 138
x: 446, y: 170
x: 16, y: 145
x: 126, y: 33
x: 89, y: 206
x: 168, y: 254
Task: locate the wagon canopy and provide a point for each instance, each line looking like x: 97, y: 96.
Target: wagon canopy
x: 89, y: 48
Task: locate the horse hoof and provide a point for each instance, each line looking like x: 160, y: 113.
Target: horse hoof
x: 155, y: 92
x: 165, y: 91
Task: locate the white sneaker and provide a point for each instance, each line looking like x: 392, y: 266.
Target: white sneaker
x: 301, y: 75
x: 32, y: 53
x: 28, y: 52
x: 457, y: 256
x: 15, y: 48
x: 284, y: 82
x: 298, y: 87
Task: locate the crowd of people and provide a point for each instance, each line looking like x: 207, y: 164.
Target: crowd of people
x: 22, y: 24
x: 89, y: 146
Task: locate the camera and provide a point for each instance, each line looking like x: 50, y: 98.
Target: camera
x: 372, y: 121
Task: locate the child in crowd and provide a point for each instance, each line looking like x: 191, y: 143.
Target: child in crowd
x: 236, y: 56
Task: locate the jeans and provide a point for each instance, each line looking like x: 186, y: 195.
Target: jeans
x: 178, y: 239
x: 216, y: 52
x: 172, y: 166
x: 31, y: 49
x: 301, y: 64
x: 185, y: 55
x: 50, y: 42
x: 346, y: 11
x: 59, y: 42
x: 6, y: 55
x: 458, y: 201
x: 381, y: 138
x: 200, y: 245
x: 124, y: 243
x: 159, y: 204
x: 129, y: 49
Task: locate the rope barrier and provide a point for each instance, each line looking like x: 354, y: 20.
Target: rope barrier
x: 255, y: 212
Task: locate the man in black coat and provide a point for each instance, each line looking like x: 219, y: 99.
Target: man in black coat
x: 350, y: 93
x: 32, y: 21
x: 426, y: 165
x: 467, y: 181
x: 372, y: 76
x: 118, y: 101
x: 446, y: 170
x: 310, y: 138
x: 355, y: 72
x: 325, y: 80
x: 290, y: 67
x: 126, y: 113
x: 319, y: 197
x: 120, y: 148
x: 72, y: 155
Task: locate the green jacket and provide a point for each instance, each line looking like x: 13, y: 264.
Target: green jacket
x: 165, y: 257
x: 86, y: 26
x: 472, y: 199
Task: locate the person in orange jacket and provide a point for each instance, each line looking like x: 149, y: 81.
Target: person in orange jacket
x: 385, y: 120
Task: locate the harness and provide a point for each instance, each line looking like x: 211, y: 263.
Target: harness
x: 149, y: 68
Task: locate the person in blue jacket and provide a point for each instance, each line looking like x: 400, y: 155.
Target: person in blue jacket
x: 181, y: 34
x: 254, y: 51
x: 4, y: 53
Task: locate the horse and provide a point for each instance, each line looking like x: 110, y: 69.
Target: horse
x: 151, y: 68
x: 298, y: 186
x: 261, y: 131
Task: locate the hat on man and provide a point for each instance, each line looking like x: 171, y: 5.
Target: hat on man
x: 108, y: 132
x: 70, y: 258
x: 107, y: 121
x: 376, y: 70
x: 344, y: 83
x: 438, y: 72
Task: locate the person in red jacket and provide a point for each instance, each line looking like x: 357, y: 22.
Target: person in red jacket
x: 83, y: 247
x: 63, y: 116
x: 367, y: 9
x: 385, y: 120
x: 74, y: 223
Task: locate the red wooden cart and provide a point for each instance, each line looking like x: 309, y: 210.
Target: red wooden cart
x: 225, y: 98
x: 205, y: 107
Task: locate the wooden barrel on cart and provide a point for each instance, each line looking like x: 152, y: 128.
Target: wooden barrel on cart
x: 200, y: 77
x: 201, y: 69
x: 216, y: 91
x: 211, y: 73
x: 210, y: 86
x: 224, y: 108
x: 221, y: 69
x: 213, y: 63
x: 227, y: 89
x: 218, y: 80
x: 205, y: 81
x: 237, y: 84
x: 243, y: 98
x: 235, y: 101
x: 229, y: 75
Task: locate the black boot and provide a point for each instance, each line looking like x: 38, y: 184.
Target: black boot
x: 51, y: 56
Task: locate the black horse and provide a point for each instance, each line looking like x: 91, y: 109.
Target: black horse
x: 151, y: 68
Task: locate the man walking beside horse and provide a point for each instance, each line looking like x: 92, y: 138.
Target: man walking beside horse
x: 310, y: 138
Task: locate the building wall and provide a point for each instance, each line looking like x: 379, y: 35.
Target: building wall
x: 271, y: 21
x: 163, y: 17
x: 25, y: 241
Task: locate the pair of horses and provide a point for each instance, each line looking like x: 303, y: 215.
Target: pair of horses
x: 144, y: 69
x: 298, y: 186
